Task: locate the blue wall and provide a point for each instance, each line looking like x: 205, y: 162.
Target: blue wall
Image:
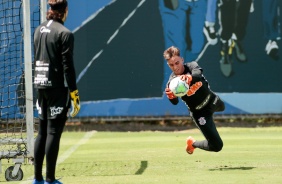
x: 121, y: 72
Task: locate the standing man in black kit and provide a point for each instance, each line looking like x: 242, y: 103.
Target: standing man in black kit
x: 234, y: 16
x: 201, y: 101
x: 55, y: 82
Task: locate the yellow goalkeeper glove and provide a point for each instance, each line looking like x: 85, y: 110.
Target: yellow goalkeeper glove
x: 75, y: 103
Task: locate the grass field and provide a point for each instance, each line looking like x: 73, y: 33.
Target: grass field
x: 250, y: 155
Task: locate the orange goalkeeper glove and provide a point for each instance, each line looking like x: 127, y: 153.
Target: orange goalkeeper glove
x: 75, y: 103
x: 187, y: 78
x: 169, y: 94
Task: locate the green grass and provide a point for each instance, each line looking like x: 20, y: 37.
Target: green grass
x: 250, y: 155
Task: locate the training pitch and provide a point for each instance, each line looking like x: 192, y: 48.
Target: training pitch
x: 249, y: 155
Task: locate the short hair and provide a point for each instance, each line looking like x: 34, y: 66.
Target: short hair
x: 170, y: 52
x: 57, y: 9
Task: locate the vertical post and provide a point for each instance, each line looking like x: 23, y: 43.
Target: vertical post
x: 43, y: 10
x: 28, y: 78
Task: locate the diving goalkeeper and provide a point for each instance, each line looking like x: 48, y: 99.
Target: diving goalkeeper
x: 201, y: 101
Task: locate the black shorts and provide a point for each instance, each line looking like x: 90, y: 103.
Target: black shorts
x: 53, y: 103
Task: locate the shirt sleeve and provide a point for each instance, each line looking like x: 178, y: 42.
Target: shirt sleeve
x: 67, y: 59
x: 196, y: 71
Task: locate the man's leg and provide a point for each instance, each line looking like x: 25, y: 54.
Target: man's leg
x: 55, y: 129
x: 39, y: 149
x: 213, y: 141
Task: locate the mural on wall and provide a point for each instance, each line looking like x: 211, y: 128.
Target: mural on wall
x: 118, y: 52
x: 183, y: 23
x: 242, y: 40
x: 119, y: 46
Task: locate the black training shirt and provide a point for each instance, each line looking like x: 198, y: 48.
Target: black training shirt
x: 199, y: 88
x: 53, y: 56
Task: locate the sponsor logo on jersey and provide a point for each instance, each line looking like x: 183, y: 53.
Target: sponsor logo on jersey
x: 56, y: 110
x: 42, y: 80
x: 43, y: 29
x: 204, y: 103
x: 194, y: 88
x: 202, y: 121
x: 46, y: 69
x: 41, y: 63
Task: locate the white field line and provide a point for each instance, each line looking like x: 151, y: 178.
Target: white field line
x: 108, y: 42
x: 82, y: 141
x: 66, y: 154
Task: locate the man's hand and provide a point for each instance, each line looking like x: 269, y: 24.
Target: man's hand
x: 169, y: 94
x: 75, y: 103
x: 187, y: 78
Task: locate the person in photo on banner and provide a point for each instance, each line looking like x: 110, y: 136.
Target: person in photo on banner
x: 55, y: 82
x: 233, y: 20
x: 183, y: 22
x: 209, y: 27
x: 200, y: 99
x: 272, y: 26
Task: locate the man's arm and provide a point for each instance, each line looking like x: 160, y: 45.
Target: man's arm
x: 69, y: 71
x: 196, y: 71
x: 67, y: 59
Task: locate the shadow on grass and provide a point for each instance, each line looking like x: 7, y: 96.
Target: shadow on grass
x: 226, y: 168
x: 103, y: 168
x: 143, y: 166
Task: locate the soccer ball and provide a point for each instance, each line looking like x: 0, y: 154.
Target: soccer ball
x: 178, y: 87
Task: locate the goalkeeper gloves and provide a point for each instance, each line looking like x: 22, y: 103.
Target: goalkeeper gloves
x: 169, y: 94
x: 187, y: 78
x: 75, y: 103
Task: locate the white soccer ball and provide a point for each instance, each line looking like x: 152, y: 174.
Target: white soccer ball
x: 178, y: 87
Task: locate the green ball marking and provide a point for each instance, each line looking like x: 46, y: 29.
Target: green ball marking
x: 181, y: 88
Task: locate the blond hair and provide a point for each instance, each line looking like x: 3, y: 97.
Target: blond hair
x: 170, y: 52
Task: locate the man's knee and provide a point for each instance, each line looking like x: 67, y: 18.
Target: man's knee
x: 217, y: 147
